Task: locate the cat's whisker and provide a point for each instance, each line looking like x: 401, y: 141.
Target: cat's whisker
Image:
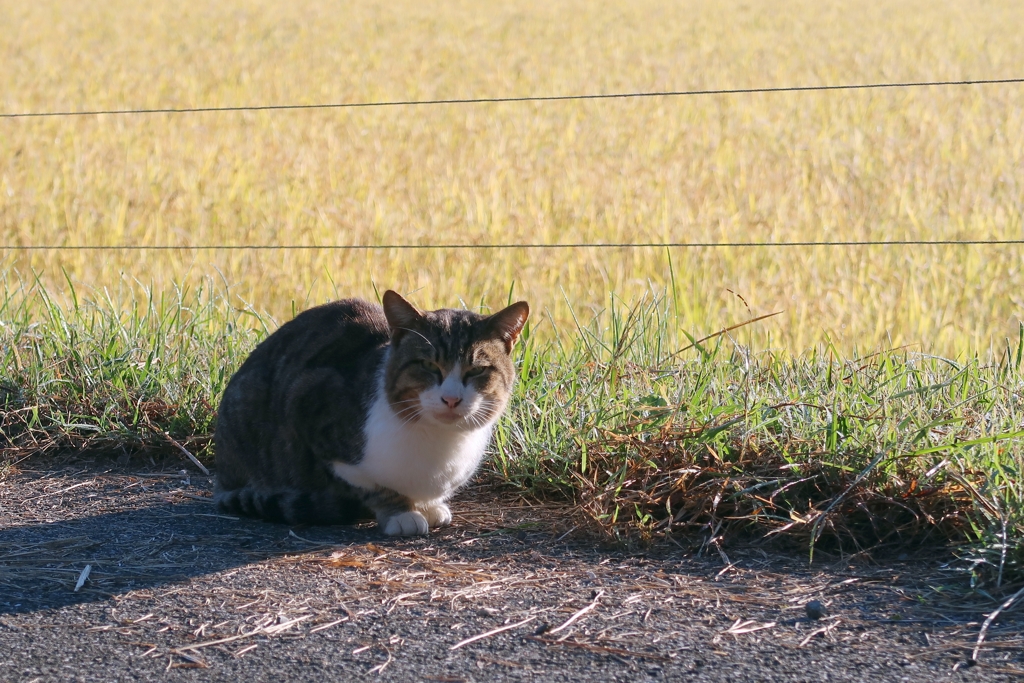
x: 419, y: 334
x: 410, y: 419
x: 413, y: 401
x: 414, y: 410
x: 485, y: 412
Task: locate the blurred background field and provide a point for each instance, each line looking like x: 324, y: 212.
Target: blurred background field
x: 927, y: 163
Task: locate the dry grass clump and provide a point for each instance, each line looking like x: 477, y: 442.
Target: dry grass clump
x: 889, y: 450
x: 670, y: 485
x: 931, y: 163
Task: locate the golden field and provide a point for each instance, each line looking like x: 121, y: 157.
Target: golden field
x: 923, y: 163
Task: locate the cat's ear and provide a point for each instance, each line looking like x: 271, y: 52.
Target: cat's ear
x: 401, y: 314
x: 507, y: 323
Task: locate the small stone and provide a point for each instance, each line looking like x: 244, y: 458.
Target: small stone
x: 816, y: 610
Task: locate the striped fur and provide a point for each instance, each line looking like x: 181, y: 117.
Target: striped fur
x: 328, y: 506
x: 327, y: 418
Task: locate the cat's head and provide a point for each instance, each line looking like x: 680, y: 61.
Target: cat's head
x: 450, y: 367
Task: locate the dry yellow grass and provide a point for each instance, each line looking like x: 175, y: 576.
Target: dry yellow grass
x: 942, y: 163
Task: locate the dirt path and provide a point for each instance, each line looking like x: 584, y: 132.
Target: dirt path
x: 178, y: 592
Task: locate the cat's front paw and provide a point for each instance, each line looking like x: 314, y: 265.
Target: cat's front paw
x: 411, y: 523
x: 437, y: 514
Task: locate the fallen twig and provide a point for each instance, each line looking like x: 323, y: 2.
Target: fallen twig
x: 326, y: 626
x: 219, y: 641
x: 245, y: 649
x: 741, y: 627
x: 83, y: 577
x: 599, y: 648
x: 990, y: 620
x: 194, y: 459
x: 170, y: 439
x: 824, y: 630
x: 193, y: 662
x: 57, y: 493
x: 379, y: 669
x: 205, y: 499
x: 263, y: 630
x: 492, y: 632
x: 568, y: 622
x: 278, y: 628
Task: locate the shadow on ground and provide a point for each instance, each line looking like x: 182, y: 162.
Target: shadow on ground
x: 40, y: 564
x: 138, y: 530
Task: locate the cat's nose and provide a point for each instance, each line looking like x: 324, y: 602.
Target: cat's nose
x: 452, y: 401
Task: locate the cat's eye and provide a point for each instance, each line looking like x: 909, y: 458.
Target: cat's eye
x: 475, y: 372
x: 431, y: 367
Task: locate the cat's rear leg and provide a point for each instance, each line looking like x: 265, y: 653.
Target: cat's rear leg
x: 252, y: 502
x: 288, y: 506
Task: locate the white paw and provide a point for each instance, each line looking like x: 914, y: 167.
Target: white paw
x: 437, y: 514
x: 410, y: 523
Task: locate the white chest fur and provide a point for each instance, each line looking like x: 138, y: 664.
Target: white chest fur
x: 423, y: 461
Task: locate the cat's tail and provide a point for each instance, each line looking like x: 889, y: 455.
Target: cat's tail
x: 322, y: 507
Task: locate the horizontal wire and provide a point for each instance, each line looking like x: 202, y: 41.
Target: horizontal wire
x: 571, y: 245
x: 499, y: 100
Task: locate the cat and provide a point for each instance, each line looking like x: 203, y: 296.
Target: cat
x: 352, y: 408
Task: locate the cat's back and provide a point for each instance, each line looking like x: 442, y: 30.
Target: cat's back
x: 321, y: 363
x: 298, y: 398
x: 335, y: 334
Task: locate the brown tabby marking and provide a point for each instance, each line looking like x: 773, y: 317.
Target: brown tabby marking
x: 298, y: 409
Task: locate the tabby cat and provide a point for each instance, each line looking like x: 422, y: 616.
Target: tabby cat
x: 352, y: 406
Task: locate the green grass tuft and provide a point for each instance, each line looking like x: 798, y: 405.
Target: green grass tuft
x: 111, y: 371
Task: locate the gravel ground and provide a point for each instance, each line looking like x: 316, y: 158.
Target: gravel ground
x: 176, y: 591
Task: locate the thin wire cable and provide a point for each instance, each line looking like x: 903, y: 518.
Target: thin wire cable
x: 500, y: 100
x: 571, y: 245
